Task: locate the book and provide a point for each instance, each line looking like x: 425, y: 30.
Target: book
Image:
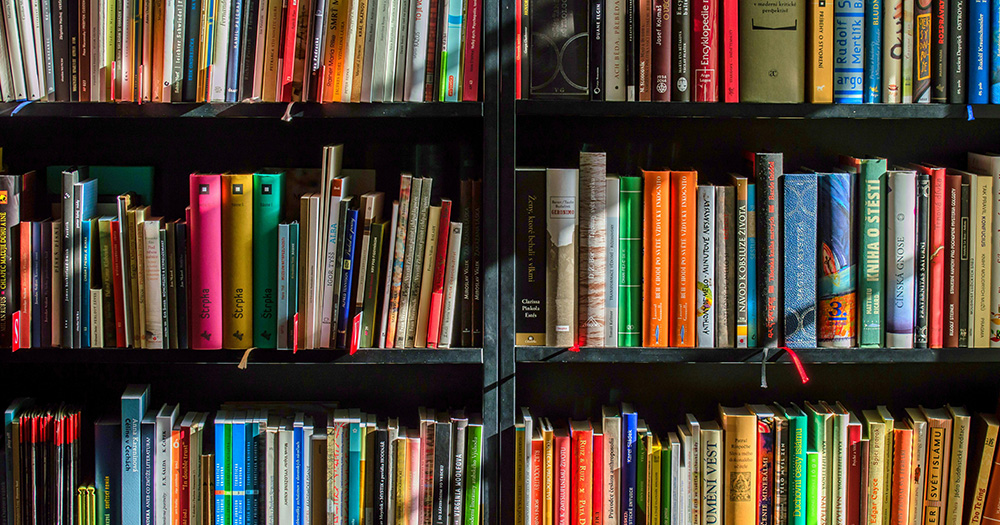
x: 952, y: 249
x: 799, y: 198
x: 901, y: 232
x: 875, y: 17
x: 820, y: 86
x: 959, y: 461
x: 922, y: 36
x: 772, y: 53
x: 561, y: 268
x: 939, y: 426
x: 983, y: 444
x: 767, y: 168
x: 705, y: 263
x: 940, y: 40
x: 725, y: 278
x: 681, y: 50
x: 706, y: 48
x: 922, y: 266
x: 613, y: 223
x: 739, y: 429
x: 237, y: 256
x: 206, y: 262
x: 682, y: 249
x: 592, y: 319
x: 892, y: 50
x: 849, y: 52
x: 134, y: 402
x: 427, y: 280
x: 267, y: 198
x: 836, y: 287
x: 630, y: 262
x: 979, y: 51
x: 872, y: 181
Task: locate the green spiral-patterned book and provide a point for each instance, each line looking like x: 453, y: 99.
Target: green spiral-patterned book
x: 630, y: 263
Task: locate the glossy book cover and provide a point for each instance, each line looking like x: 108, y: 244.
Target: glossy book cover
x: 836, y: 288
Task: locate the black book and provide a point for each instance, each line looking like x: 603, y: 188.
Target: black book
x: 249, y: 48
x: 767, y: 168
x: 963, y: 267
x: 525, y: 7
x: 596, y: 59
x: 477, y: 263
x: 192, y: 36
x: 631, y: 50
x: 464, y: 313
x: 381, y: 494
x: 956, y: 52
x: 680, y: 61
x: 147, y: 433
x: 171, y: 264
x: 559, y: 48
x: 45, y: 281
x: 180, y: 253
x: 73, y: 28
x: 371, y: 470
x: 164, y: 290
x: 939, y: 51
x: 36, y: 284
x: 60, y: 49
x: 441, y: 509
x: 10, y: 217
x: 530, y: 257
x: 922, y: 266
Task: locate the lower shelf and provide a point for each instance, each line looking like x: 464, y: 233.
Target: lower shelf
x: 531, y: 354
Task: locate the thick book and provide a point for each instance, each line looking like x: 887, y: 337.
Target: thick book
x: 10, y: 216
x: 871, y: 254
x: 901, y: 195
x: 705, y: 266
x: 267, y: 199
x: 419, y: 250
x: 558, y: 49
x: 798, y: 430
x: 989, y: 164
x: 936, y: 256
x: 561, y: 248
x: 705, y: 47
x: 656, y: 254
x: 772, y: 52
x: 767, y: 168
x: 205, y: 237
x: 427, y: 279
x: 739, y: 494
x: 959, y: 462
x: 237, y: 260
x: 725, y: 268
x: 630, y: 262
x: 902, y: 447
x: 765, y: 461
x: 799, y: 193
x: 437, y: 304
x: 849, y: 52
x: 134, y: 402
x: 836, y: 315
x: 107, y: 472
x: 683, y: 193
x: 939, y: 430
x: 592, y: 318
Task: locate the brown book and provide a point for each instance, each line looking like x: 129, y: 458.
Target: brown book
x: 272, y: 51
x: 938, y: 456
x: 207, y: 487
x: 318, y: 510
x: 83, y: 53
x: 645, y: 50
x: 660, y: 55
x: 983, y: 445
x: 593, y: 249
x: 433, y: 50
x: 952, y: 251
x: 740, y: 475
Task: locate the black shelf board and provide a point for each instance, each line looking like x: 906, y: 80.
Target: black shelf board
x: 535, y: 354
x: 366, y: 356
x: 746, y: 110
x: 274, y: 110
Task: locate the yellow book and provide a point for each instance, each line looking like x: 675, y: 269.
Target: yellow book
x: 359, y: 52
x: 237, y: 260
x: 402, y: 477
x: 740, y: 478
x: 820, y: 85
x: 548, y: 473
x: 202, y: 65
x: 655, y: 470
x: 890, y: 445
x: 139, y: 281
x: 427, y: 280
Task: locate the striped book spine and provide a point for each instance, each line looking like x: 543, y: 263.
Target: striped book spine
x: 849, y: 55
x: 768, y: 168
x: 593, y: 249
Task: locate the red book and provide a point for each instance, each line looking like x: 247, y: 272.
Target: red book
x: 205, y: 249
x: 597, y: 480
x: 901, y: 458
x: 437, y: 292
x: 661, y: 50
x: 704, y: 50
x: 563, y: 474
x: 645, y: 50
x: 473, y: 41
x: 952, y: 250
x: 288, y: 50
x: 25, y: 227
x: 537, y: 451
x: 116, y: 269
x: 730, y: 51
x: 765, y: 469
x: 433, y: 51
x: 936, y: 282
x: 854, y: 509
x: 518, y: 22
x: 581, y: 490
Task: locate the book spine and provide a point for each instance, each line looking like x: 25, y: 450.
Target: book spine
x: 957, y: 51
x: 656, y: 238
x: 592, y: 319
x: 183, y: 288
x: 9, y: 255
x: 922, y: 29
x: 629, y: 464
x: 765, y: 447
x: 35, y: 243
x: 740, y: 465
x: 768, y: 168
x: 598, y: 17
x: 661, y: 48
x: 237, y: 257
x: 682, y: 249
x: 820, y: 86
x: 901, y: 468
x: 938, y: 456
x: 872, y: 315
x: 751, y: 266
x: 730, y: 52
x: 705, y: 262
x: 427, y: 278
x: 451, y: 70
x: 892, y: 51
x: 922, y: 267
x: 982, y: 272
x: 906, y: 93
x: 964, y: 277
x: 131, y: 452
x: 936, y: 260
x: 939, y: 51
x: 282, y: 290
x: 630, y: 265
x: 192, y: 38
x: 347, y: 279
x: 849, y: 48
x: 959, y: 462
x: 680, y: 51
x: 206, y: 263
x: 613, y: 223
x: 799, y: 199
x: 247, y: 53
x: 369, y: 317
x: 901, y: 231
x: 952, y: 249
x: 874, y: 19
x: 433, y: 61
x: 986, y: 440
x: 706, y: 67
x: 630, y: 51
x: 561, y: 267
x: 267, y: 198
x: 107, y: 472
x: 979, y: 51
x: 798, y: 478
x: 743, y: 291
x: 447, y: 339
x: 836, y: 316
x: 155, y: 329
x: 645, y: 50
x: 725, y: 270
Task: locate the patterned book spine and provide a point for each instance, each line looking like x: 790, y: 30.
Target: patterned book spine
x: 630, y: 269
x: 849, y: 60
x: 940, y: 28
x: 682, y: 250
x: 837, y: 299
x: 768, y: 168
x: 10, y: 211
x: 398, y: 255
x: 681, y: 52
x: 900, y: 232
x: 908, y: 52
x: 799, y: 200
x: 612, y: 195
x: 979, y: 51
x: 656, y: 228
x: 561, y: 270
x: 206, y: 263
x: 873, y: 13
x: 872, y: 240
x: 706, y: 63
x: 921, y: 271
x: 921, y: 51
x: 705, y: 264
x: 765, y: 460
x: 965, y: 283
x: 743, y: 291
x: 593, y: 249
x: 662, y: 16
x: 752, y: 265
x: 952, y: 228
x: 725, y: 268
x: 936, y: 260
x: 892, y: 50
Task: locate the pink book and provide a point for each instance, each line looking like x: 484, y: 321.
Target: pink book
x: 205, y: 238
x: 705, y: 51
x: 288, y: 50
x: 730, y: 51
x: 470, y: 77
x: 437, y: 292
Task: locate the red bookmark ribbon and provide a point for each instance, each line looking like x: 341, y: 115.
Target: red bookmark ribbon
x: 798, y: 364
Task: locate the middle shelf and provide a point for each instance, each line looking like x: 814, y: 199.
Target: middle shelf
x: 617, y: 355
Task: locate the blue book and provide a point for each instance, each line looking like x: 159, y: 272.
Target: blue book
x: 36, y: 284
x: 192, y: 28
x: 848, y: 59
x: 979, y: 64
x: 836, y: 299
x: 84, y: 206
x: 354, y: 470
x: 253, y: 467
x: 297, y: 454
x: 873, y: 51
x: 345, y: 327
x: 798, y: 223
x: 220, y: 467
x: 994, y: 51
x: 108, y: 471
x: 630, y: 461
x: 451, y: 63
x: 84, y: 303
x: 751, y: 268
x: 134, y: 405
x: 147, y: 435
x: 798, y: 431
x: 293, y: 279
x: 239, y: 451
x: 233, y: 69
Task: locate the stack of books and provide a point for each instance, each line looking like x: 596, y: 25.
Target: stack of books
x: 759, y: 465
x: 903, y: 51
x: 866, y: 254
x: 251, y: 464
x: 243, y: 268
x: 241, y: 50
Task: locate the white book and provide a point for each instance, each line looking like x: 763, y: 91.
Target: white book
x: 123, y: 63
x: 329, y: 295
x: 685, y: 487
x: 611, y: 280
x: 164, y: 479
x: 614, y: 52
x: 402, y: 37
x: 892, y: 60
x: 350, y: 41
x: 416, y: 43
x: 712, y: 467
x: 311, y: 253
x: 152, y: 279
x: 390, y: 248
x: 705, y: 233
x: 907, y: 62
x: 612, y: 469
x: 271, y: 482
x: 260, y: 51
x: 901, y: 234
x: 694, y: 427
x: 989, y: 164
x: 43, y: 47
x: 96, y: 319
x: 162, y: 92
x: 388, y: 71
x: 676, y: 480
x: 382, y: 14
x: 837, y: 493
x: 915, y: 417
x: 12, y: 37
x: 220, y: 55
x: 29, y: 56
x: 6, y: 80
x: 284, y: 468
x: 450, y: 285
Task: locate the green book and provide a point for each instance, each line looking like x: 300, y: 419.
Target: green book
x: 473, y: 469
x: 112, y: 180
x: 642, y: 466
x: 666, y: 490
x: 820, y: 436
x: 267, y: 196
x: 798, y: 428
x: 873, y: 187
x: 107, y: 283
x: 813, y: 464
x: 373, y: 284
x: 630, y: 262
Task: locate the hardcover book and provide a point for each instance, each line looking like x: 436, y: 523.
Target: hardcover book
x: 266, y: 215
x: 630, y: 269
x: 656, y: 236
x: 705, y: 47
x: 743, y: 292
x: 922, y: 265
x: 836, y: 296
x: 560, y: 283
x: 922, y: 29
x: 772, y: 52
x: 705, y: 263
x: 739, y: 428
x: 593, y: 249
x: 872, y: 280
x: 237, y: 258
x: 901, y: 232
x: 206, y: 262
x: 725, y: 268
x: 681, y: 51
x: 767, y: 168
x: 849, y: 59
x: 559, y: 46
x: 875, y: 17
x: 820, y: 81
x: 682, y: 249
x: 613, y: 222
x: 799, y: 201
x: 892, y: 50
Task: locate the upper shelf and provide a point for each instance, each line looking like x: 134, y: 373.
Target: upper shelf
x: 526, y: 354
x: 274, y: 110
x: 555, y: 108
x: 367, y: 356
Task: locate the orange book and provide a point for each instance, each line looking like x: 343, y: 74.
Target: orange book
x: 656, y: 246
x: 157, y: 52
x: 682, y: 260
x: 537, y: 451
x: 175, y: 466
x: 991, y: 510
x: 336, y: 51
x: 899, y: 513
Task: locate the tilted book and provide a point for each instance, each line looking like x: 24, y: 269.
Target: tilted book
x: 915, y: 420
x: 560, y: 283
x: 206, y: 261
x: 593, y: 248
x: 836, y: 314
x: 799, y: 201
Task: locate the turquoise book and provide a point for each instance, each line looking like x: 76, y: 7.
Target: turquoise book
x: 751, y: 266
x: 798, y: 200
x: 871, y: 254
x: 239, y: 461
x: 354, y: 471
x: 85, y: 262
x: 135, y: 401
x: 630, y: 265
x: 267, y: 194
x: 113, y: 180
x: 451, y: 55
x: 798, y: 429
x: 220, y: 467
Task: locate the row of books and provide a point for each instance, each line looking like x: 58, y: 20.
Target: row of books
x: 859, y: 256
x: 861, y: 51
x: 236, y: 272
x: 760, y: 464
x: 237, y: 50
x: 250, y: 464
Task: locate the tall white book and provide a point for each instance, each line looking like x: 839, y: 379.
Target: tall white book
x: 13, y: 41
x: 711, y: 472
x: 416, y: 44
x: 220, y: 54
x: 989, y: 164
x: 593, y: 259
x: 6, y: 80
x: 153, y: 284
x: 613, y: 464
x: 450, y: 285
x: 685, y: 486
x: 29, y: 56
x: 705, y: 261
x: 892, y: 46
x: 611, y: 279
x: 901, y: 235
x: 614, y: 52
x: 163, y: 480
x: 694, y: 427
